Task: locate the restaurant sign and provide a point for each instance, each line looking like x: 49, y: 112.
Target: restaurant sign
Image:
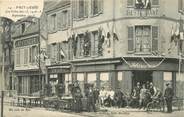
x: 142, y: 12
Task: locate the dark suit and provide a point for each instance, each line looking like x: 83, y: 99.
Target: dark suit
x: 168, y: 97
x: 90, y: 100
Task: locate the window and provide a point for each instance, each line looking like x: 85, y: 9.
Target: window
x: 54, y: 52
x: 33, y: 52
x: 91, y: 78
x: 104, y: 80
x: 80, y: 9
x: 53, y: 22
x: 80, y: 78
x: 63, y: 20
x: 68, y: 80
x: 96, y: 7
x: 142, y: 4
x: 145, y: 40
x: 26, y: 56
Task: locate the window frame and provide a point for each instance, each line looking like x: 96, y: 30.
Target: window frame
x: 150, y: 42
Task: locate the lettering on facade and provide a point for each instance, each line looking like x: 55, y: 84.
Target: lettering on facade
x: 27, y: 42
x: 51, y: 71
x: 138, y: 65
x: 142, y: 12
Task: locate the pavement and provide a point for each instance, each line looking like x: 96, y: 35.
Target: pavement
x: 12, y: 111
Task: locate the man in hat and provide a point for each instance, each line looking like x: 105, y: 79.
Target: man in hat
x: 90, y: 98
x: 168, y: 95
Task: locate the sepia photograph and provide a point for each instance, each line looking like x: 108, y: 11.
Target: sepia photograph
x: 91, y: 58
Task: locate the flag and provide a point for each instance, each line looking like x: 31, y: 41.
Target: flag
x: 62, y: 53
x: 115, y: 36
x: 172, y: 34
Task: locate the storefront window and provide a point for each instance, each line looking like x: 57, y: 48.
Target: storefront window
x: 167, y: 78
x: 104, y: 80
x: 68, y: 80
x: 80, y: 78
x: 53, y: 81
x: 91, y: 78
x: 180, y: 85
x: 120, y: 78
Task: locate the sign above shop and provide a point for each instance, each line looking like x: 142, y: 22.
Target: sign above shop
x: 142, y: 12
x: 138, y: 65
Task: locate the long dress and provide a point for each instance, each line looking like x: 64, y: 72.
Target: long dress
x: 77, y: 100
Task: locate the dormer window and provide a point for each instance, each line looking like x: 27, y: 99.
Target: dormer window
x: 23, y: 27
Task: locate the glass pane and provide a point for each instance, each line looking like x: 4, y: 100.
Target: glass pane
x: 104, y: 80
x: 91, y: 78
x: 80, y: 78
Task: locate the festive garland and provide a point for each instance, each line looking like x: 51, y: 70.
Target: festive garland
x: 149, y: 65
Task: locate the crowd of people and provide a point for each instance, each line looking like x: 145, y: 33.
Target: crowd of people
x: 141, y: 95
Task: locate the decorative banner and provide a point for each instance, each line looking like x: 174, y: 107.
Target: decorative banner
x: 17, y: 9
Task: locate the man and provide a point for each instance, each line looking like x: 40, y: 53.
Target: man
x: 138, y: 88
x: 102, y: 95
x: 152, y: 89
x: 110, y: 98
x: 96, y: 95
x: 168, y: 95
x: 90, y: 99
x: 118, y: 97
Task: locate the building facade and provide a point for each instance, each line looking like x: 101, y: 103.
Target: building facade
x: 110, y: 44
x: 115, y: 44
x: 29, y: 78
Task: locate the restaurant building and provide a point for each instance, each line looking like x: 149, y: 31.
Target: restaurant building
x: 116, y: 43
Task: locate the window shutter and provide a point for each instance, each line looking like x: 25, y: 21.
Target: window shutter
x: 86, y: 6
x: 155, y: 2
x: 49, y: 23
x: 100, y: 6
x: 49, y: 51
x: 58, y: 51
x: 131, y: 38
x: 69, y: 18
x: 155, y: 34
x: 130, y: 3
x: 59, y: 20
x: 74, y: 9
x: 180, y: 5
x: 77, y: 9
x: 92, y: 8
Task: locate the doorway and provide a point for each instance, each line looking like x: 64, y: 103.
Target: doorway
x: 142, y: 77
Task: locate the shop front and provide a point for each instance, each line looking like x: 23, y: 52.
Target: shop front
x: 29, y: 82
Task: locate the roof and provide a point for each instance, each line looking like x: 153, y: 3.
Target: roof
x: 52, y: 5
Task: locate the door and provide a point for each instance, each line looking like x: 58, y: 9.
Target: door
x: 142, y: 77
